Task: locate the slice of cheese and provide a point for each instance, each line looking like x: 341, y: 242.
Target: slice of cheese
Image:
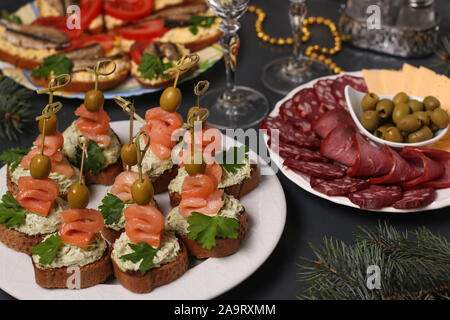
x: 426, y: 83
x: 391, y: 81
x: 372, y: 79
x: 409, y: 78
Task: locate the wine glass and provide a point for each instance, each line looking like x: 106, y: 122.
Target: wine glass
x: 283, y: 75
x: 233, y: 106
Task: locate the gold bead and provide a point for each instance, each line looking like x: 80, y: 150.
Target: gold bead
x: 304, y: 29
x: 266, y: 38
x: 321, y: 57
x: 281, y: 41
x: 316, y: 47
x: 328, y: 61
x: 289, y: 41
x: 337, y: 70
x: 251, y: 8
x: 324, y: 50
x: 259, y: 10
x: 314, y: 55
x: 262, y: 16
x: 258, y: 29
x: 273, y: 40
x: 311, y: 19
x: 320, y: 19
x: 260, y: 34
x: 332, y: 65
x: 333, y: 51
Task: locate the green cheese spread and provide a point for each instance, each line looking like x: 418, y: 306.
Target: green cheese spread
x: 35, y: 224
x: 111, y: 154
x: 70, y: 255
x: 232, y: 208
x: 168, y: 252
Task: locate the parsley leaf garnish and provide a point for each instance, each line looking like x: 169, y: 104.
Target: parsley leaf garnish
x: 95, y: 159
x: 205, y: 228
x: 142, y: 251
x: 13, y: 156
x: 231, y: 160
x: 200, y: 21
x: 111, y: 209
x: 58, y: 64
x: 11, y: 17
x: 11, y: 213
x: 151, y: 67
x: 47, y: 249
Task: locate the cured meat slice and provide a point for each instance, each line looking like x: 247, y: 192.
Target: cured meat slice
x: 289, y: 134
x: 444, y: 158
x: 316, y: 169
x: 401, y: 170
x: 370, y: 161
x: 291, y: 151
x: 339, y: 146
x: 338, y: 187
x: 376, y: 197
x: 324, y: 92
x: 289, y: 113
x: 330, y: 120
x: 431, y: 169
x: 339, y: 84
x: 307, y: 104
x: 415, y: 198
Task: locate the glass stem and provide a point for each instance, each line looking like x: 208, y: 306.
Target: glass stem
x: 230, y: 46
x: 297, y: 13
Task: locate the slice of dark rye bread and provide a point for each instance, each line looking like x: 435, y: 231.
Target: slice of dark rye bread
x: 237, y: 191
x: 223, y: 247
x: 106, y: 176
x: 19, y: 241
x: 14, y: 188
x: 90, y: 275
x: 136, y: 282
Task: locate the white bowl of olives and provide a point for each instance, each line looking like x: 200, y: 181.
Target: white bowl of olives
x: 397, y: 120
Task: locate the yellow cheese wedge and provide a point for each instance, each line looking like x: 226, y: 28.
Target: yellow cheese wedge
x: 409, y: 78
x: 426, y: 83
x: 372, y: 79
x: 391, y: 81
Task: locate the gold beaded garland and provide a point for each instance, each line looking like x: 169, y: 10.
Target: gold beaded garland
x: 313, y: 51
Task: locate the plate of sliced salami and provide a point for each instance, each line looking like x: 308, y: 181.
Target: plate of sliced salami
x: 315, y: 143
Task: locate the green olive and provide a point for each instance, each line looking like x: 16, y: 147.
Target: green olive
x: 400, y: 110
x: 440, y: 117
x: 40, y: 166
x: 128, y: 153
x: 78, y: 196
x: 423, y: 117
x: 409, y: 123
x: 400, y: 97
x: 420, y: 135
x: 380, y: 131
x: 170, y: 99
x: 431, y: 103
x: 415, y: 105
x: 433, y: 127
x: 369, y: 102
x: 142, y: 191
x: 50, y: 127
x: 93, y: 100
x: 393, y: 134
x: 370, y: 120
x: 384, y: 108
x: 193, y: 167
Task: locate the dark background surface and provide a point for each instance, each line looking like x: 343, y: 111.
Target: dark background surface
x: 309, y: 218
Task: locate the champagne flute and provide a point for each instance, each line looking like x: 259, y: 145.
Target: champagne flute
x: 233, y: 106
x: 283, y: 75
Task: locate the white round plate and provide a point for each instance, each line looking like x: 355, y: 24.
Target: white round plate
x: 302, y: 180
x: 206, y: 280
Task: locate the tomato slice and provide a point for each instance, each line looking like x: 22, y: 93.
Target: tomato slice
x: 90, y: 9
x: 144, y: 31
x: 105, y: 40
x: 136, y: 50
x: 128, y: 10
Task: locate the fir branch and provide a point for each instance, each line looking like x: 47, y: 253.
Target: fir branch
x: 413, y: 265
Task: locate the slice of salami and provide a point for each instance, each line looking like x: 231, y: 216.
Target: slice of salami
x: 290, y: 151
x: 415, y: 198
x: 324, y: 93
x: 338, y: 187
x: 316, y: 169
x: 289, y: 134
x: 307, y: 104
x: 376, y: 197
x: 289, y: 113
x: 430, y: 168
x: 339, y: 84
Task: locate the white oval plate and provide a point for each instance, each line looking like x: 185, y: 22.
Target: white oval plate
x: 206, y: 280
x: 302, y: 180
